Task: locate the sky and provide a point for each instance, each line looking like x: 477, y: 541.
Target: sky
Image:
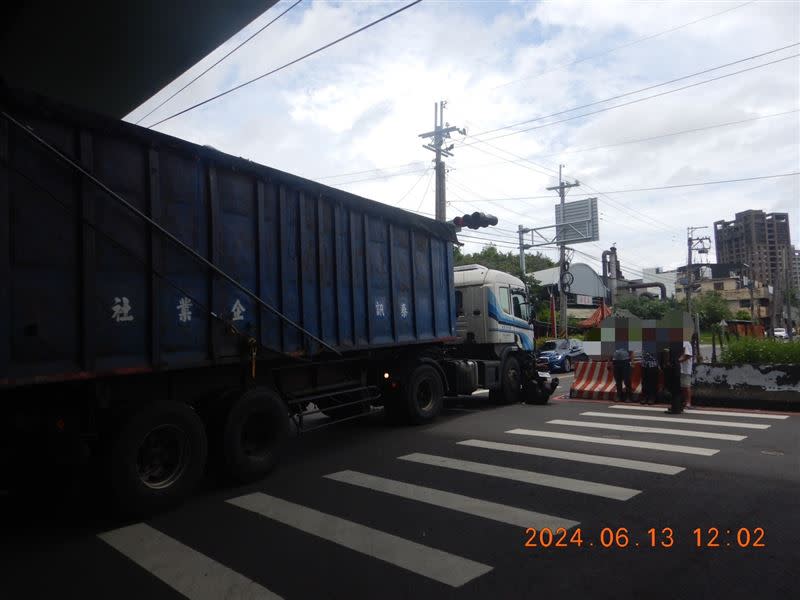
x: 350, y: 116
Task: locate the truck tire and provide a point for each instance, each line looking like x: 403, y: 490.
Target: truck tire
x: 423, y: 396
x: 157, y: 457
x: 509, y: 390
x: 255, y: 432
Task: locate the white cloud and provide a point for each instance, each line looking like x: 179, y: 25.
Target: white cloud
x: 361, y: 104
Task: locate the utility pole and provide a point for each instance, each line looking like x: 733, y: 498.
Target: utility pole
x: 562, y: 188
x: 522, y: 247
x: 786, y: 290
x: 441, y: 132
x: 692, y: 244
x: 751, y: 285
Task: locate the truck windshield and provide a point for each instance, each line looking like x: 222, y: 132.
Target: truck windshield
x: 520, y: 304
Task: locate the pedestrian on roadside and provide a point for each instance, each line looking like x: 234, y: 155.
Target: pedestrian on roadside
x: 622, y: 373
x: 686, y: 361
x: 672, y: 382
x: 649, y: 379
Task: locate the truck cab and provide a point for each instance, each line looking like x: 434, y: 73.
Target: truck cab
x: 492, y: 308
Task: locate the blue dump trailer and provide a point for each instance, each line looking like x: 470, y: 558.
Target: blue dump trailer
x: 163, y: 303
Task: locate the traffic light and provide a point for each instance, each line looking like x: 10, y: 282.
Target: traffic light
x: 475, y: 220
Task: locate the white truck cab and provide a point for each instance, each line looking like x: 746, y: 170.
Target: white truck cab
x: 492, y: 308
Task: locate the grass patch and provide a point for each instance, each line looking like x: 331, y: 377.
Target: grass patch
x: 761, y: 351
x: 705, y: 337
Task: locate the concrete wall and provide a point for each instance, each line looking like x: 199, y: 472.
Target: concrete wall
x: 773, y: 386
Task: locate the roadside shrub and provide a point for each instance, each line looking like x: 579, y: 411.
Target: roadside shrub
x: 761, y: 351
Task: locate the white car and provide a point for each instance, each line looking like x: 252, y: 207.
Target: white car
x: 780, y: 333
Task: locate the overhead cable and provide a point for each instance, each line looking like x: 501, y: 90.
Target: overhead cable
x: 226, y: 55
x: 289, y: 64
x: 562, y: 112
x: 626, y: 45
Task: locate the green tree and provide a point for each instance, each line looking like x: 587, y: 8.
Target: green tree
x: 711, y: 307
x: 646, y: 307
x: 508, y: 262
x: 742, y: 315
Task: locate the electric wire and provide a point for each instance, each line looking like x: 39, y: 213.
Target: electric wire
x: 620, y: 47
x: 645, y: 219
x: 504, y: 161
x: 670, y: 134
x: 411, y: 189
x: 635, y: 101
x: 415, y: 163
x: 385, y: 176
x: 289, y: 64
x: 226, y: 55
x: 425, y: 194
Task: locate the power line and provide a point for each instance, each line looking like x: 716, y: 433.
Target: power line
x: 425, y: 195
x: 411, y: 189
x: 376, y: 169
x: 289, y: 64
x: 662, y: 187
x: 670, y: 134
x: 518, y: 131
x: 523, y: 159
x: 163, y: 102
x: 387, y: 176
x: 684, y: 185
x: 626, y: 45
x: 632, y: 211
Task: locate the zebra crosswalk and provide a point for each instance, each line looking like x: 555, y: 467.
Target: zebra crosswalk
x: 195, y: 575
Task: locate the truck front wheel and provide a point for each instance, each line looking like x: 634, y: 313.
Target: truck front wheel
x: 508, y: 391
x: 158, y: 457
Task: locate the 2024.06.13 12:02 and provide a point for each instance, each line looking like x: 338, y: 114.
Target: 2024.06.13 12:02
x: 622, y: 537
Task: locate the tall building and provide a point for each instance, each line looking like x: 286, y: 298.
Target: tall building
x: 794, y: 255
x: 755, y: 238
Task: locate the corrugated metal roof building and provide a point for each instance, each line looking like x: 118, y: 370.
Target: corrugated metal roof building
x: 586, y: 287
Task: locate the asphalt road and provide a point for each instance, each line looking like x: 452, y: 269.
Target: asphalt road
x: 365, y: 510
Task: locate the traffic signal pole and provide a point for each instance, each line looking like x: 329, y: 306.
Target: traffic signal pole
x: 562, y: 188
x: 441, y: 132
x: 692, y: 244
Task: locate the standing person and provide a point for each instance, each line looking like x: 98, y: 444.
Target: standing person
x: 686, y: 361
x: 649, y: 379
x: 622, y: 373
x: 669, y: 367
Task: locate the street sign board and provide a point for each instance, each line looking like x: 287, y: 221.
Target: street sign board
x: 579, y: 223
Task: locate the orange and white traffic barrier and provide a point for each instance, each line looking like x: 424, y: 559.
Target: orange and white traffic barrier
x: 594, y: 380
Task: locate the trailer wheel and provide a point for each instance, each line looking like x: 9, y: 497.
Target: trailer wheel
x: 256, y: 429
x: 509, y: 389
x: 423, y: 395
x: 157, y: 458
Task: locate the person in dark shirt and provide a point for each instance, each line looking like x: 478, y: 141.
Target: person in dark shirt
x: 622, y: 373
x: 672, y: 381
x: 649, y: 379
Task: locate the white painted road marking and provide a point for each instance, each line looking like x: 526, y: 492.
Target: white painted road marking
x: 678, y: 420
x: 624, y: 463
x: 432, y: 563
x: 185, y: 570
x: 694, y: 411
x: 698, y: 434
x: 563, y: 483
x: 609, y: 442
x: 472, y: 506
